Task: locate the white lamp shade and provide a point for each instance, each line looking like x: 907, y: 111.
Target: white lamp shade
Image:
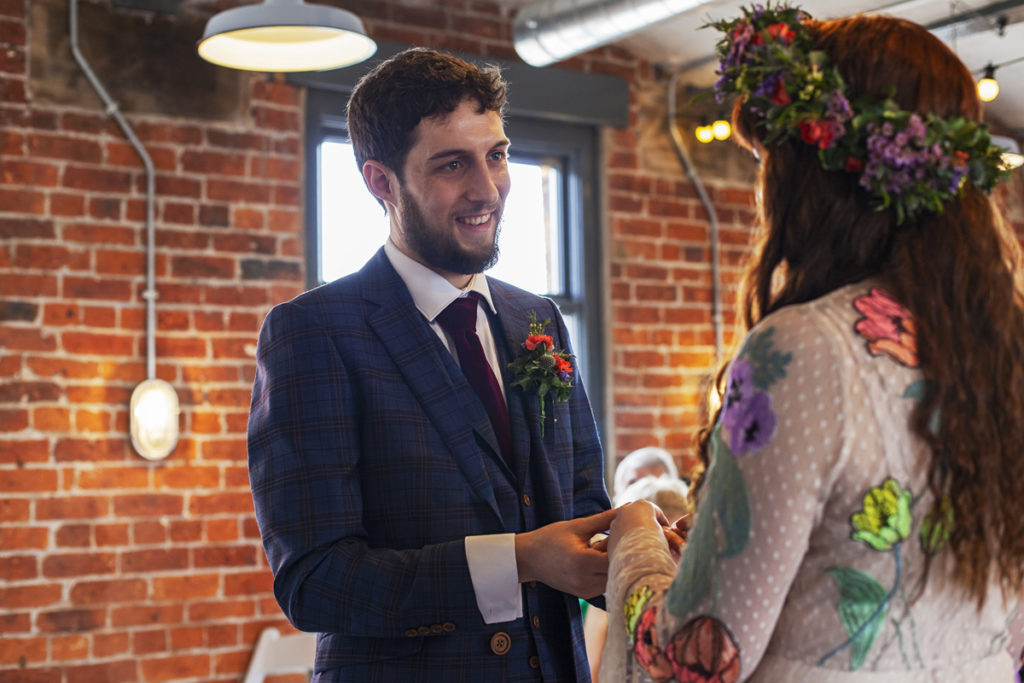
x: 285, y: 35
x: 154, y: 419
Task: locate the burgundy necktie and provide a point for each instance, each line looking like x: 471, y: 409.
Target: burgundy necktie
x: 459, y: 321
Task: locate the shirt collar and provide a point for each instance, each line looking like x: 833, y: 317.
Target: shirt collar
x: 431, y: 292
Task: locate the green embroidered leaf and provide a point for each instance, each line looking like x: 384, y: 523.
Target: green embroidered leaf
x: 693, y: 580
x: 860, y: 597
x: 731, y: 500
x: 915, y: 391
x: 727, y: 501
x: 936, y: 525
x: 769, y: 364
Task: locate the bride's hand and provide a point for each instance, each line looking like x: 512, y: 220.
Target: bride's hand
x: 633, y: 515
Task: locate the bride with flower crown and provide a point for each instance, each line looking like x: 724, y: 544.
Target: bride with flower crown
x: 859, y: 520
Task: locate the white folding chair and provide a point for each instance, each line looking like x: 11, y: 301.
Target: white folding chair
x: 277, y: 654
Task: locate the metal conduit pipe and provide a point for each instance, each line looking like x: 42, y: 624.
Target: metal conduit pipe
x: 698, y: 185
x: 553, y: 30
x: 154, y: 408
x: 111, y: 108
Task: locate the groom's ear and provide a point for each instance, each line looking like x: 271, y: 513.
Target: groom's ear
x: 382, y: 182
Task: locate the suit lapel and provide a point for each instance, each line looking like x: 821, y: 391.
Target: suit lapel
x: 523, y: 408
x: 431, y: 374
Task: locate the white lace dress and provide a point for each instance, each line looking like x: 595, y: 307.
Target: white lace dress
x: 807, y: 552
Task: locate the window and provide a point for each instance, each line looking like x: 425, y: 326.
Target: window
x: 550, y: 241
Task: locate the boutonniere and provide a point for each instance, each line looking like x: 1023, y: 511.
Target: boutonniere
x: 541, y: 368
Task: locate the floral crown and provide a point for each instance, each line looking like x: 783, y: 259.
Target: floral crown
x: 905, y: 160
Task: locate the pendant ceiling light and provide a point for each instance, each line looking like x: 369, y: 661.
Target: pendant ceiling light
x: 285, y: 35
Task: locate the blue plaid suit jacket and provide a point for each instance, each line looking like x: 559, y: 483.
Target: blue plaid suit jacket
x: 371, y: 459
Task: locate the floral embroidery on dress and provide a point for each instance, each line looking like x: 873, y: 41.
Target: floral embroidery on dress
x: 750, y: 421
x: 936, y: 525
x: 704, y: 651
x: 887, y: 326
x: 883, y: 524
x: 747, y: 407
x: 635, y: 604
x: 647, y: 650
x: 746, y: 412
x: 885, y: 519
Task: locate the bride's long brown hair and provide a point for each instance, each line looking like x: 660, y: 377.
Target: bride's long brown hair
x: 959, y: 272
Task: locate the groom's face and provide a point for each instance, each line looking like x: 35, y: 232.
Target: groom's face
x: 452, y: 191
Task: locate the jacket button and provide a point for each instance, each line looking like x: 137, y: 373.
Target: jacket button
x: 412, y: 633
x: 526, y: 499
x: 536, y: 622
x: 436, y: 628
x: 448, y: 627
x: 424, y: 630
x: 534, y: 662
x: 501, y: 643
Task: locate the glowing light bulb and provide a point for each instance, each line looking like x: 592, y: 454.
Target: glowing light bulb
x: 704, y: 133
x: 154, y: 419
x: 988, y: 87
x: 721, y: 129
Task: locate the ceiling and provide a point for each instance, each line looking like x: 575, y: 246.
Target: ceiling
x: 971, y: 29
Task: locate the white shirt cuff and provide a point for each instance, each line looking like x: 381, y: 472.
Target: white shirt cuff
x: 492, y: 569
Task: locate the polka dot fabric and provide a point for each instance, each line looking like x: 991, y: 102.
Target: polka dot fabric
x: 790, y: 596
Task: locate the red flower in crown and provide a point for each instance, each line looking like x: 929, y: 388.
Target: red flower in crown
x: 782, y: 32
x: 818, y: 132
x: 780, y: 96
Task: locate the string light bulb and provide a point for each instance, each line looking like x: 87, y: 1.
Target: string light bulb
x: 988, y: 87
x: 705, y: 134
x: 721, y: 130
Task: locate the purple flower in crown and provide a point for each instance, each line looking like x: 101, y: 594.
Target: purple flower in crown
x: 839, y: 107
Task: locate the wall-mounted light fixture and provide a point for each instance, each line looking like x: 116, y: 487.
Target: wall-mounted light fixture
x: 153, y: 411
x: 285, y: 35
x: 154, y: 419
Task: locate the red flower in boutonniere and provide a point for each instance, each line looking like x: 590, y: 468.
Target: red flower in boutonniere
x: 541, y: 368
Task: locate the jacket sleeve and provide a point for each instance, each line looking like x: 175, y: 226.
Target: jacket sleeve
x: 304, y: 456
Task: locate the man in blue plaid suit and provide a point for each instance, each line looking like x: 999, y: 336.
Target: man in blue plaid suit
x: 394, y: 523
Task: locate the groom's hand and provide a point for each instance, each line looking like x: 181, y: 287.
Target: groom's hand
x: 560, y: 555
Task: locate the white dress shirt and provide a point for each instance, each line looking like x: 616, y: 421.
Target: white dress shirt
x: 492, y: 557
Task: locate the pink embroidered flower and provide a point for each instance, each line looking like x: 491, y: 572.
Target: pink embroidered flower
x: 647, y: 650
x: 704, y: 651
x: 887, y: 326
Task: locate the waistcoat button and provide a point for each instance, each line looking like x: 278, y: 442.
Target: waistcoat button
x: 501, y: 643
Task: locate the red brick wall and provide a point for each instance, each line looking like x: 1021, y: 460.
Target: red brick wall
x: 114, y: 568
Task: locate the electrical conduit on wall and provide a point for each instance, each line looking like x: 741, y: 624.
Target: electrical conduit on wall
x: 153, y: 411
